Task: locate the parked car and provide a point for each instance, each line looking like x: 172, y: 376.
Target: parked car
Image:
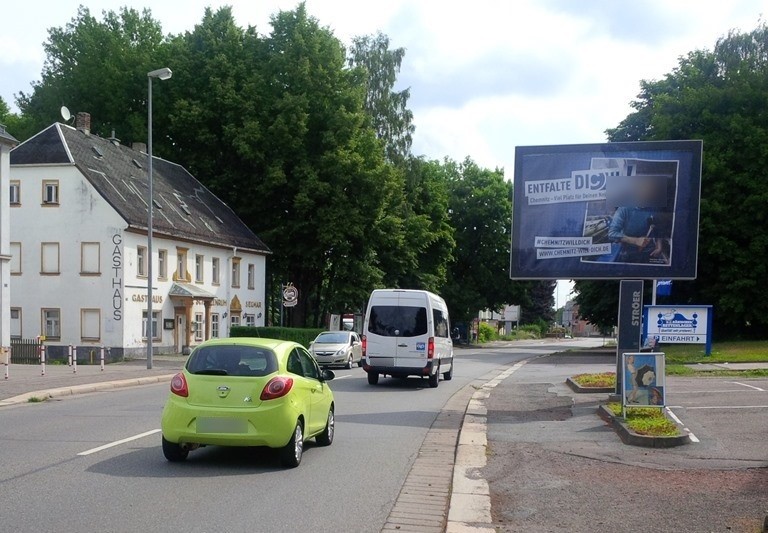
x: 407, y: 333
x: 337, y: 348
x: 248, y: 392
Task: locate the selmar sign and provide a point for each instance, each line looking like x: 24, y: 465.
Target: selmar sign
x: 678, y: 324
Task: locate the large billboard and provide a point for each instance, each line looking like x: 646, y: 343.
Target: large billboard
x: 603, y: 211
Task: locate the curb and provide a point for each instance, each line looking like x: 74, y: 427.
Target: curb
x: 628, y: 436
x: 585, y: 390
x: 470, y: 500
x: 86, y: 388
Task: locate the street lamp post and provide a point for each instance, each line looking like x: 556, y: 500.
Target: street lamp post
x: 162, y: 74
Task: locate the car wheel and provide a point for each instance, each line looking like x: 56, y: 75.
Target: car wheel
x: 326, y: 437
x: 173, y: 452
x: 290, y: 454
x: 434, y: 379
x: 373, y: 378
x: 360, y: 363
x: 448, y: 376
x: 348, y: 366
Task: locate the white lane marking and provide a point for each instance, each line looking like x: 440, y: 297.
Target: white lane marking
x: 746, y: 385
x: 688, y: 408
x: 342, y: 377
x: 709, y: 391
x: 119, y: 442
x: 691, y: 436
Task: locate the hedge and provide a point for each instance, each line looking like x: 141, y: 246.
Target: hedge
x: 301, y: 335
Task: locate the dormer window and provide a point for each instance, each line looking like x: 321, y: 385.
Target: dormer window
x: 51, y: 192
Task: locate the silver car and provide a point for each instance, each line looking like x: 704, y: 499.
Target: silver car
x: 337, y: 348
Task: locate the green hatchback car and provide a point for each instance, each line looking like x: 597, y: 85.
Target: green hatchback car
x: 248, y: 392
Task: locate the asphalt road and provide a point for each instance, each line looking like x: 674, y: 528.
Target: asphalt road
x: 47, y: 484
x: 554, y: 466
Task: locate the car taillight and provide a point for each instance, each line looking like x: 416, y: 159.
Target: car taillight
x: 431, y: 348
x: 365, y: 344
x: 277, y: 387
x: 179, y: 385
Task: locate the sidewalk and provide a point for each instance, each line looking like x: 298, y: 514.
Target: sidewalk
x: 27, y: 381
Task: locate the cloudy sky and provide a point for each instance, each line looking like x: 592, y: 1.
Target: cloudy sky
x: 485, y: 76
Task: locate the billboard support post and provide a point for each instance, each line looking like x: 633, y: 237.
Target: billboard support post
x: 630, y: 322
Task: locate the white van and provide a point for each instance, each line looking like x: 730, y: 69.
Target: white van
x: 407, y: 333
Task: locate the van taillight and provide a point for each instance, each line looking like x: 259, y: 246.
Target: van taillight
x: 179, y: 385
x: 431, y: 348
x: 364, y: 344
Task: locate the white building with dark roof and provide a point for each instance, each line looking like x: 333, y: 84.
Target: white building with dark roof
x: 79, y: 249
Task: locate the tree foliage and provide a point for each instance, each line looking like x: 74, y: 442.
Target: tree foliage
x: 307, y: 141
x: 719, y: 96
x: 388, y: 109
x: 480, y: 208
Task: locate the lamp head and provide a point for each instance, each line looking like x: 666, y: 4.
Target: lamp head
x: 161, y: 73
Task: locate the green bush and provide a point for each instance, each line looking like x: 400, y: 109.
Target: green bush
x: 486, y: 333
x: 533, y: 329
x: 301, y: 335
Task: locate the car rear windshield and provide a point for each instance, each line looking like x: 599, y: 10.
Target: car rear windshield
x: 397, y: 321
x: 332, y: 338
x: 232, y: 360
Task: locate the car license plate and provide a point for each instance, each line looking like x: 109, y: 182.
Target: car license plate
x: 222, y: 425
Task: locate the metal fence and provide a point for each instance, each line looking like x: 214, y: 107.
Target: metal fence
x: 25, y: 351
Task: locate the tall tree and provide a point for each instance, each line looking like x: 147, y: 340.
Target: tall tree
x: 388, y: 108
x: 322, y: 181
x: 539, y: 306
x: 480, y: 210
x: 98, y: 66
x: 719, y: 96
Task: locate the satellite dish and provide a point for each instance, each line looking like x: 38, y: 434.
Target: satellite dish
x: 65, y: 114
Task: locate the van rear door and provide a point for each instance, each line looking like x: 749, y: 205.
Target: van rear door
x: 413, y: 336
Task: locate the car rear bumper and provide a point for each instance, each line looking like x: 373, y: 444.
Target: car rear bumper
x: 271, y: 424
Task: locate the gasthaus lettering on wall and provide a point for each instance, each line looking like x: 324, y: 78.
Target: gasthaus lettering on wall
x: 117, y: 277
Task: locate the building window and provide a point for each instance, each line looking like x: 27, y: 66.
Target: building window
x: 162, y: 264
x: 235, y: 272
x: 251, y: 276
x: 51, y: 326
x: 16, y: 322
x: 234, y: 320
x: 90, y: 324
x: 215, y: 270
x: 155, y: 322
x: 16, y: 258
x: 15, y: 195
x: 51, y: 192
x: 214, y: 325
x: 49, y: 258
x: 199, y: 262
x: 199, y: 326
x: 250, y: 320
x: 90, y: 262
x: 141, y: 261
x: 181, y: 264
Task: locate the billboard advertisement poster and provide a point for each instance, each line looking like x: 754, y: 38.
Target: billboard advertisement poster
x: 643, y: 379
x: 678, y: 324
x: 606, y: 211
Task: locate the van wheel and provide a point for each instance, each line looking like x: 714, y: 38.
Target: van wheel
x: 434, y: 379
x: 448, y: 376
x: 373, y: 378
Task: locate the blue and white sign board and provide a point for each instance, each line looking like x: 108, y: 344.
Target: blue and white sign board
x: 678, y: 324
x: 643, y: 384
